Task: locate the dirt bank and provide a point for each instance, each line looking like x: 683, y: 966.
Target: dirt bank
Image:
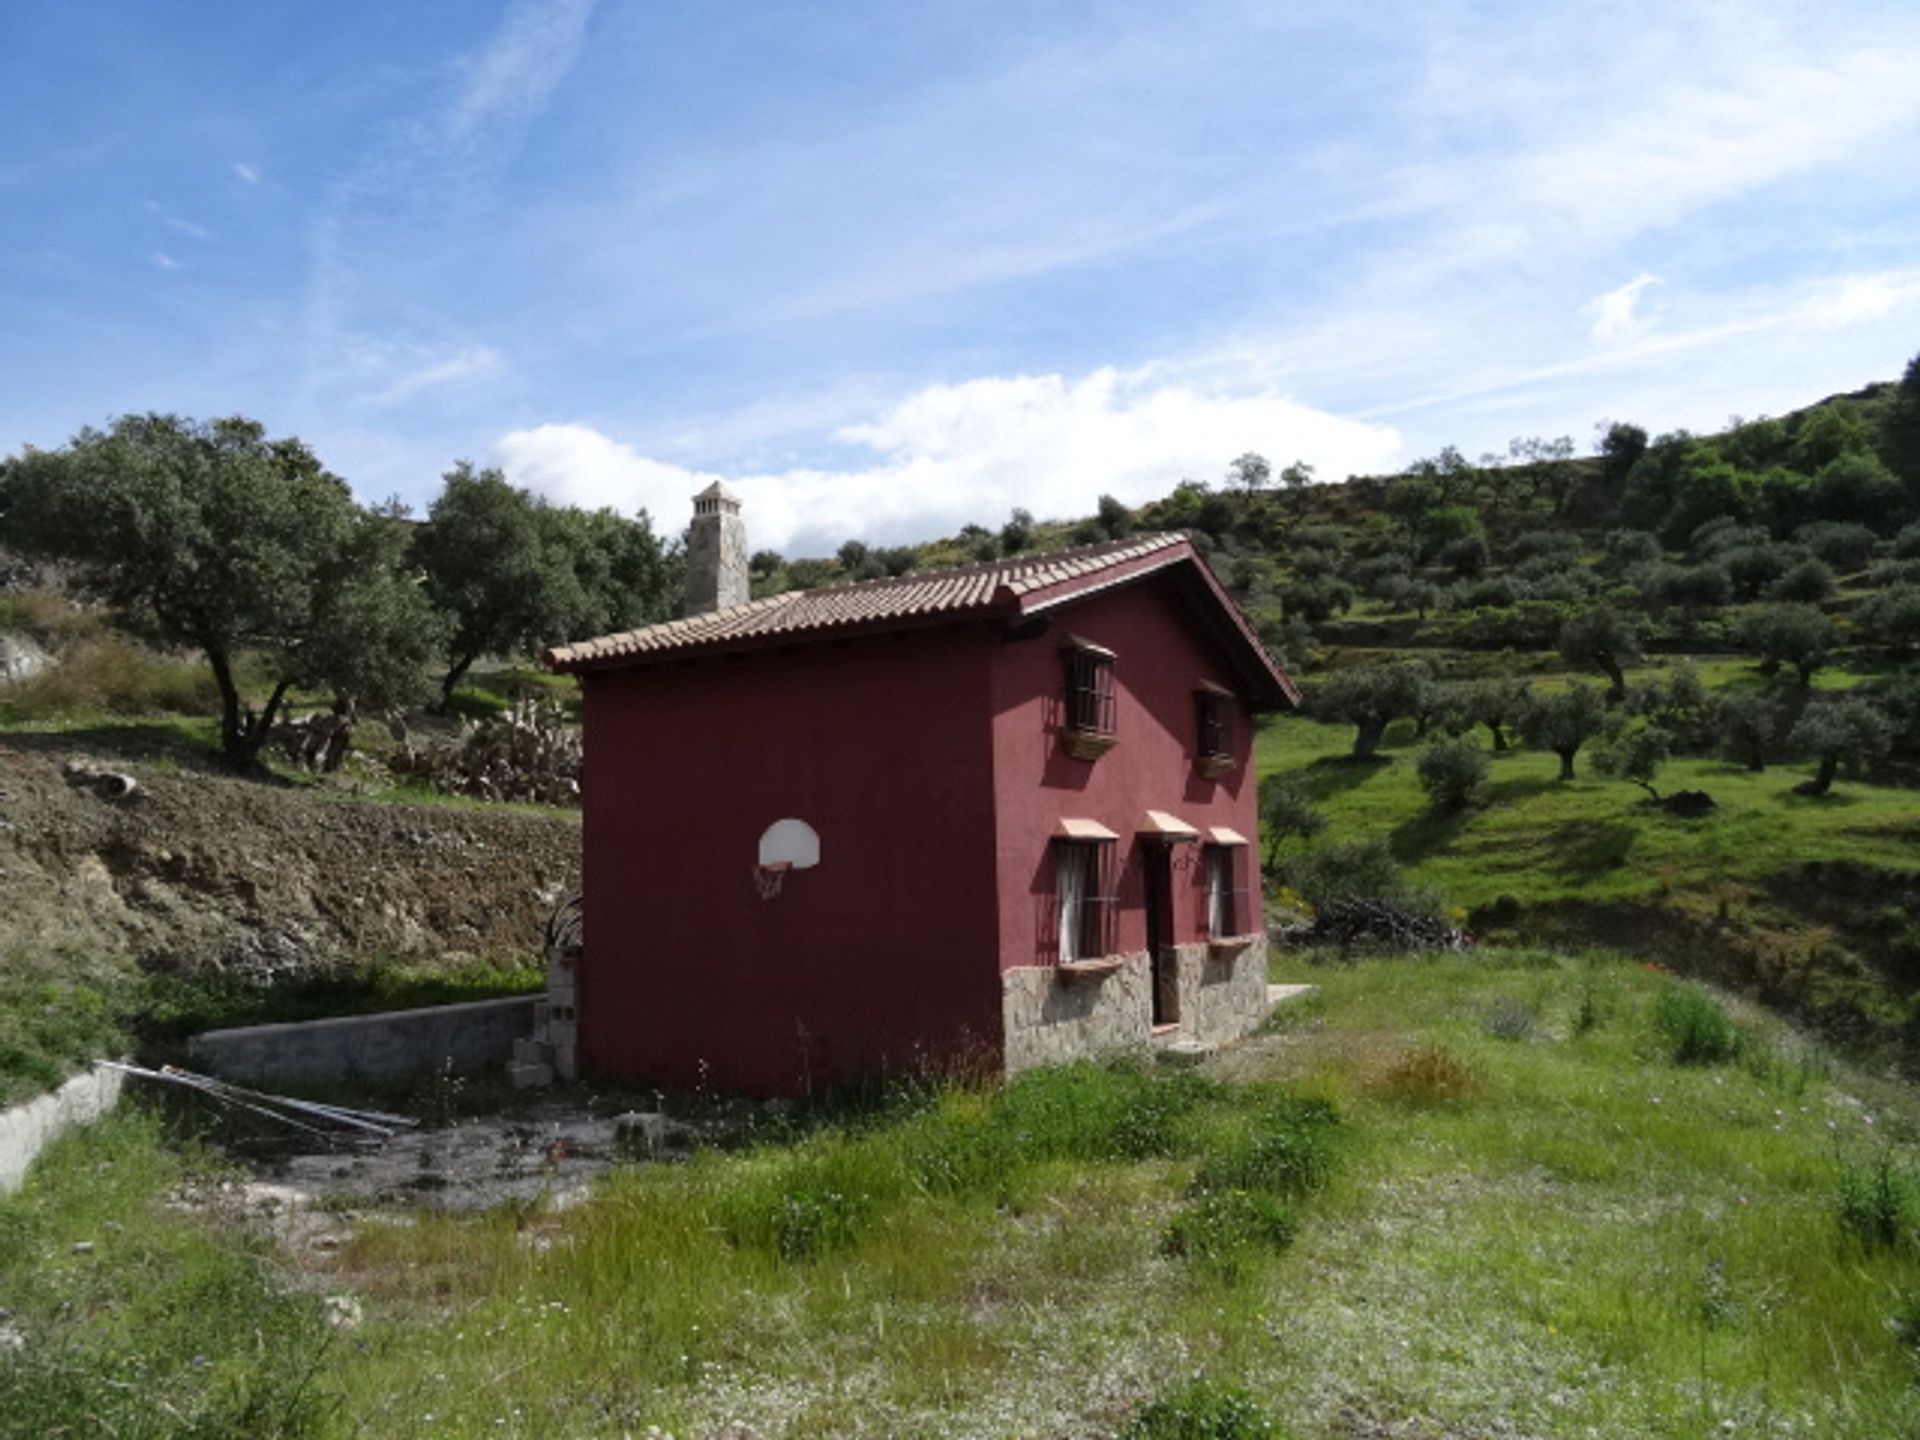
x: 199, y: 872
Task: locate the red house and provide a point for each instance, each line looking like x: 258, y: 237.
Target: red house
x: 997, y: 814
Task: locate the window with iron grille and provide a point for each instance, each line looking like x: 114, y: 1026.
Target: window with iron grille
x: 1088, y: 713
x: 1213, y: 730
x: 1211, y: 715
x: 1084, y: 900
x: 1228, y: 909
x: 1090, y: 691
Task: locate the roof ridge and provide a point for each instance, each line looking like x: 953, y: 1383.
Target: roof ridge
x: 1152, y: 539
x: 823, y: 608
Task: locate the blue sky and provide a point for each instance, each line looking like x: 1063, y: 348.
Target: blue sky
x: 888, y: 268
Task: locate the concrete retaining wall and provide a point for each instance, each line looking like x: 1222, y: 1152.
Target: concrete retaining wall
x: 392, y: 1045
x: 27, y: 1129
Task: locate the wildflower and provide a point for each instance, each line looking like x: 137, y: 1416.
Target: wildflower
x: 1653, y: 1099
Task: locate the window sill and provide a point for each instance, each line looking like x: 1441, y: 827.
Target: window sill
x: 1230, y: 944
x: 1213, y: 767
x: 1105, y: 965
x: 1087, y: 744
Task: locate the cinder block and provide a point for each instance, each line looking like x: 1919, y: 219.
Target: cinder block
x: 529, y: 1077
x: 532, y: 1052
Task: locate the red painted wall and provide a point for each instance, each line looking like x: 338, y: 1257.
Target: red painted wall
x: 1162, y: 654
x: 876, y: 958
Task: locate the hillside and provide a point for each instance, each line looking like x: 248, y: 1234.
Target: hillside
x: 231, y: 892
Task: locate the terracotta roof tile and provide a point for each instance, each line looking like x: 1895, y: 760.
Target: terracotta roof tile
x: 1011, y: 587
x: 927, y: 593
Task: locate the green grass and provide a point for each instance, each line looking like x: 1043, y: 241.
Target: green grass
x: 132, y: 1318
x: 1538, y: 838
x: 1590, y: 1239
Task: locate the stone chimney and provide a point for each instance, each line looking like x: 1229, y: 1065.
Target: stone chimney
x: 716, y: 552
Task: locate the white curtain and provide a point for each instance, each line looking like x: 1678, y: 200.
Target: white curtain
x: 1219, y: 890
x: 1072, y: 886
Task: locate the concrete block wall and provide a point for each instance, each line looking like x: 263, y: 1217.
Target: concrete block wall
x: 27, y: 1129
x: 393, y: 1045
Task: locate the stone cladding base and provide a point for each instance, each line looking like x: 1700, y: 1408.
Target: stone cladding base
x: 1051, y: 1016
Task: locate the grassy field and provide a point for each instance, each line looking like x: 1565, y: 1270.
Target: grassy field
x: 1473, y: 1195
x: 1538, y: 838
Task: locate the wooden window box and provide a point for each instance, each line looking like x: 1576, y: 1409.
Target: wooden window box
x: 1087, y: 744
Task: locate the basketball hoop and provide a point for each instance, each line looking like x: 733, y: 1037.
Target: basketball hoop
x: 767, y: 878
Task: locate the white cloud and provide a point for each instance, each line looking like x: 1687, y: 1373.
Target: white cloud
x: 472, y: 363
x: 1863, y: 299
x: 175, y: 223
x: 163, y: 261
x: 246, y: 172
x: 950, y: 454
x: 511, y: 80
x: 1615, y: 314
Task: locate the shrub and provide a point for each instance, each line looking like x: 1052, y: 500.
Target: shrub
x: 1808, y: 582
x: 1696, y: 1029
x: 1510, y: 1019
x: 1286, y: 1150
x: 1429, y: 1075
x: 816, y: 1202
x: 108, y: 675
x: 1876, y: 1203
x: 1844, y: 546
x: 1203, y: 1410
x: 1226, y: 1231
x: 1084, y: 1111
x: 1453, y: 772
x: 1353, y: 870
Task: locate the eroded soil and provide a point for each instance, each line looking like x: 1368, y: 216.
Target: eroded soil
x: 198, y: 872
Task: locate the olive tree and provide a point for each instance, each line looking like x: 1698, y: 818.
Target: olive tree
x: 1286, y: 810
x: 1496, y: 702
x: 1564, y: 720
x: 210, y: 536
x: 1603, y: 639
x: 513, y: 574
x: 1754, y: 726
x: 1453, y: 772
x: 1634, y: 755
x: 1795, y: 635
x: 1846, y: 732
x: 1370, y: 698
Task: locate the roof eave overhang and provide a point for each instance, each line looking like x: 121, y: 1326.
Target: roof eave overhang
x: 772, y: 640
x: 1270, y: 687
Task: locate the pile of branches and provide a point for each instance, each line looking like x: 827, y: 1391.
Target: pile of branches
x: 1379, y: 925
x: 529, y: 754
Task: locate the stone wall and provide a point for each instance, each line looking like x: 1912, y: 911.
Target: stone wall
x: 392, y: 1045
x: 1223, y: 991
x: 1051, y: 1016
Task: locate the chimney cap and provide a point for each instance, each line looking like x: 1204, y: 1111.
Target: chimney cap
x: 718, y: 491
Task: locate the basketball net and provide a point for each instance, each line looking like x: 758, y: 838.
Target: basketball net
x: 767, y: 878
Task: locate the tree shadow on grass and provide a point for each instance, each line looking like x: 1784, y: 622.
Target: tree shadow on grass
x: 1331, y: 774
x: 1508, y: 792
x: 1587, y: 849
x: 1422, y: 834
